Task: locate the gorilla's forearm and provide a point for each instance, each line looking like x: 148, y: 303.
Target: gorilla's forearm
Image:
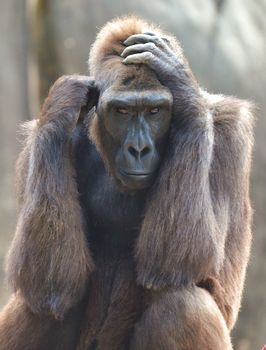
x: 50, y: 226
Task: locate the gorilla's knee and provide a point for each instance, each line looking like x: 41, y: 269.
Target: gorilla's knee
x: 183, y: 319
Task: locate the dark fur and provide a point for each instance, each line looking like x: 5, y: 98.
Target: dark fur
x: 190, y: 231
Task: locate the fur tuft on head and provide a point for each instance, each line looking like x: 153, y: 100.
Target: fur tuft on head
x: 108, y: 45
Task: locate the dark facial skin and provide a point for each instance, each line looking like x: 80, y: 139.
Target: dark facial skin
x: 138, y: 122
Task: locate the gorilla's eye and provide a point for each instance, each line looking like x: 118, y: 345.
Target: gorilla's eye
x: 122, y: 110
x: 154, y: 110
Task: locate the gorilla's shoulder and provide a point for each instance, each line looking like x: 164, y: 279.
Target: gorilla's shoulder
x: 229, y: 111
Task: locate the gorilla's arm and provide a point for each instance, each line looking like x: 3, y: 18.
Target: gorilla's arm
x: 229, y: 176
x: 204, y: 175
x: 189, y: 246
x: 172, y: 319
x: 196, y: 231
x: 49, y: 261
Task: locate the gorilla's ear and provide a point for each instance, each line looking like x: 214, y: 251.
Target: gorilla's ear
x: 93, y: 95
x: 92, y: 98
x: 49, y: 261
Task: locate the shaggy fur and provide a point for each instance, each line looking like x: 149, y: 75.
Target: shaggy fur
x: 50, y: 228
x: 182, y: 290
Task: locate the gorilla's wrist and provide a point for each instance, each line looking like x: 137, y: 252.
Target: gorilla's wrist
x: 187, y: 98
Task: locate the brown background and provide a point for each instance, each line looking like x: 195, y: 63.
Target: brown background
x: 225, y: 43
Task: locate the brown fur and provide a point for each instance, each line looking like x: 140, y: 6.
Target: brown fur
x: 21, y: 329
x: 193, y: 246
x: 108, y: 46
x: 193, y: 322
x: 49, y: 259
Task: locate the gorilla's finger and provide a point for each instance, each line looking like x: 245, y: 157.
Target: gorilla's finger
x: 144, y: 38
x: 167, y: 41
x: 143, y: 58
x: 137, y: 39
x: 138, y: 48
x: 163, y: 38
x: 138, y: 58
x: 149, y: 33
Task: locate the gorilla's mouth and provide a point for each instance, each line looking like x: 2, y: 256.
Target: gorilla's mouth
x: 136, y: 173
x: 136, y: 180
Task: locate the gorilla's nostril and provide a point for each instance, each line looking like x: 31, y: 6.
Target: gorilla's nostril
x: 138, y: 153
x: 133, y: 151
x: 145, y: 151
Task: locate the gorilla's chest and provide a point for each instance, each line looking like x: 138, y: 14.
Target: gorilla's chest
x: 113, y: 218
x: 110, y: 209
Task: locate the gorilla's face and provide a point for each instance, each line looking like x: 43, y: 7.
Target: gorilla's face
x: 136, y: 122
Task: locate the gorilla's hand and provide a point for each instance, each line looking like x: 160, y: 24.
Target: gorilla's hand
x: 171, y: 68
x: 154, y: 51
x: 67, y: 97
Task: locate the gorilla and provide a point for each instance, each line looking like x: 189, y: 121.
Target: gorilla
x: 133, y: 230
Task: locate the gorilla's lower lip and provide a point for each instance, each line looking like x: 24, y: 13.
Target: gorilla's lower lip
x: 135, y: 173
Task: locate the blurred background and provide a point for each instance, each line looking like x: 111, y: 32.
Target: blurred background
x: 225, y: 42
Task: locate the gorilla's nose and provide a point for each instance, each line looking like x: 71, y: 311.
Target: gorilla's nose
x: 138, y: 151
